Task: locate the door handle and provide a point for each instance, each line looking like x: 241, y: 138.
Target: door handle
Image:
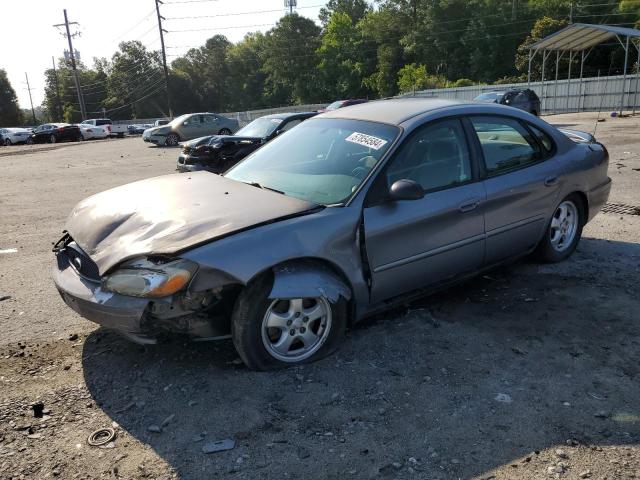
x: 550, y: 181
x: 469, y: 206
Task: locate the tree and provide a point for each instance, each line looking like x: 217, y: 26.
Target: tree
x: 246, y: 79
x: 343, y: 64
x: 207, y: 70
x: 289, y: 61
x: 10, y: 114
x: 543, y: 27
x: 412, y: 77
x: 355, y: 9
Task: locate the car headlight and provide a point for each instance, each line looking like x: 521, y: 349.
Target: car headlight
x: 146, y: 278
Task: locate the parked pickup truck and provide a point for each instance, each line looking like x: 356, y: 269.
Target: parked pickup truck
x: 113, y: 130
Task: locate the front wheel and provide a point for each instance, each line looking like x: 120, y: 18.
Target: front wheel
x: 29, y: 141
x: 224, y: 131
x: 273, y: 333
x: 52, y: 139
x: 171, y: 140
x: 7, y: 142
x: 563, y: 231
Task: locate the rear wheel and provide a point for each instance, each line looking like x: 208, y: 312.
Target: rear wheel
x: 7, y: 142
x: 273, y: 333
x: 224, y: 131
x: 52, y: 139
x: 29, y: 141
x: 564, y: 230
x: 171, y: 140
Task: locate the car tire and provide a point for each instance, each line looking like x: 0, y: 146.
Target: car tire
x: 29, y: 141
x: 7, y: 142
x: 52, y: 139
x: 257, y: 344
x: 563, y: 231
x: 224, y: 131
x: 535, y: 113
x: 172, y: 140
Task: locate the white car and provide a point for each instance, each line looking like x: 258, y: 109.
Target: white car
x: 112, y: 130
x: 90, y: 131
x: 12, y: 136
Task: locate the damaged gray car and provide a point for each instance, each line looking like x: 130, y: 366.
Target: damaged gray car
x: 348, y: 214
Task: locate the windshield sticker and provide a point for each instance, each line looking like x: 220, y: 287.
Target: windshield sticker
x: 366, y: 140
x: 277, y: 121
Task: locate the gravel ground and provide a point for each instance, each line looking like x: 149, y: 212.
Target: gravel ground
x: 528, y: 372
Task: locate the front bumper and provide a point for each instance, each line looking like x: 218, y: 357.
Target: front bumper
x: 187, y: 163
x: 88, y: 299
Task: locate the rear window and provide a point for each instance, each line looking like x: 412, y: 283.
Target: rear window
x: 103, y: 122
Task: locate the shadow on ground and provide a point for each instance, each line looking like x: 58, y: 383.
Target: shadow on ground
x: 451, y: 386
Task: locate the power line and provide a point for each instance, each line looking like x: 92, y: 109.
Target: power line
x: 255, y: 12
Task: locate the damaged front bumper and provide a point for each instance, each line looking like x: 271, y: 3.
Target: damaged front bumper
x: 204, y: 316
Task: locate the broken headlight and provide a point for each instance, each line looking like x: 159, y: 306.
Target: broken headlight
x: 147, y: 278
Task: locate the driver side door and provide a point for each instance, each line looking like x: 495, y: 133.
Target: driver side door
x: 413, y: 244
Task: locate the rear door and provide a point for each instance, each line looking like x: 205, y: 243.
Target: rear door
x: 415, y: 243
x: 521, y: 182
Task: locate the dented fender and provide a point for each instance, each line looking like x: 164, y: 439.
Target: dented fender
x: 308, y: 279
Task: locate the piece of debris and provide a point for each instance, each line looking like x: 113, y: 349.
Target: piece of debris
x: 5, y: 297
x: 167, y: 420
x: 73, y: 337
x: 601, y: 414
x: 38, y: 409
x: 154, y: 429
x: 561, y: 454
x: 101, y: 437
x: 218, y: 446
x: 9, y: 250
x: 585, y: 474
x: 517, y: 351
x: 303, y: 453
x: 503, y: 398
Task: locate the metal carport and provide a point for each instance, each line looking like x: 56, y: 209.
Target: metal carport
x: 582, y: 38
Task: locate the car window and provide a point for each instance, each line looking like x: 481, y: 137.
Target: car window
x: 103, y: 122
x: 208, y: 119
x: 506, y: 144
x: 543, y: 138
x: 436, y: 157
x: 521, y: 98
x: 291, y: 124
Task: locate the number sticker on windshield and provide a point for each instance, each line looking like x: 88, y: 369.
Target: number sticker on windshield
x: 366, y: 140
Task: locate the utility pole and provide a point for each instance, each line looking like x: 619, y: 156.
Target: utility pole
x: 58, y: 102
x: 76, y: 79
x: 164, y: 57
x: 33, y: 112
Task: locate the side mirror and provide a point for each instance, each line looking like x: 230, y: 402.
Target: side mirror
x: 406, y: 190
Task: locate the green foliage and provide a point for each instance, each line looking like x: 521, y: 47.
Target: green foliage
x: 355, y: 9
x: 463, y: 82
x: 10, y: 114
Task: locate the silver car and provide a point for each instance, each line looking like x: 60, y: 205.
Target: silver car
x: 188, y: 127
x: 346, y: 215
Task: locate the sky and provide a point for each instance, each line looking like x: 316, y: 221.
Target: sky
x: 28, y: 39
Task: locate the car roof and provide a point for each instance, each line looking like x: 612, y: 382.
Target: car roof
x: 287, y: 115
x: 394, y: 111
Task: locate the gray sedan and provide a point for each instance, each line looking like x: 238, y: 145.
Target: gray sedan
x: 346, y: 215
x: 188, y: 127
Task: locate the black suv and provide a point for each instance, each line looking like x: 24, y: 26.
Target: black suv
x: 522, y: 98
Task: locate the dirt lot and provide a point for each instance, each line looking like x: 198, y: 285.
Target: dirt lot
x: 529, y: 372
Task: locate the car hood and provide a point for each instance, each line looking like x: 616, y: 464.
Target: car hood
x: 162, y: 130
x: 219, y: 139
x: 167, y: 214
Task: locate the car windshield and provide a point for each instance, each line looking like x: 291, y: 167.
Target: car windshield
x: 260, y: 127
x: 321, y: 160
x: 483, y: 97
x: 335, y: 105
x: 178, y: 120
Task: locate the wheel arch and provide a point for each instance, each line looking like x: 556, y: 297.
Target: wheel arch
x: 308, y: 277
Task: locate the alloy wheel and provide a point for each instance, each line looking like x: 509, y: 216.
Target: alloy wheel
x: 564, y: 226
x: 294, y: 329
x: 225, y: 131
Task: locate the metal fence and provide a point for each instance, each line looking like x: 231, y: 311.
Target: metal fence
x: 590, y: 94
